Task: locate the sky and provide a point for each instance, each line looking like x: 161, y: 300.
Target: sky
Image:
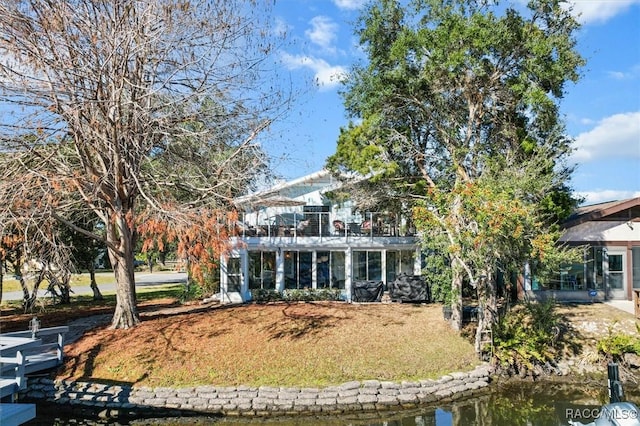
x: 601, y: 110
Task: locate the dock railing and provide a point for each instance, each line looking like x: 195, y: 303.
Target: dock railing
x: 25, y: 352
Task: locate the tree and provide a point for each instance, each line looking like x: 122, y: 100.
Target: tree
x: 135, y: 111
x: 36, y: 254
x: 457, y: 115
x: 85, y: 250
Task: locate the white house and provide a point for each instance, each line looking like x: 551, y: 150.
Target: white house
x: 611, y: 267
x: 295, y: 236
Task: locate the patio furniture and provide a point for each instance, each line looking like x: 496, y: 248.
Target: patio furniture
x: 367, y: 291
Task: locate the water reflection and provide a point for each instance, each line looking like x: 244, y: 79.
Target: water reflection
x: 527, y: 404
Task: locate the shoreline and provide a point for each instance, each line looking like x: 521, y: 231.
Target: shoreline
x: 123, y: 401
x: 355, y: 398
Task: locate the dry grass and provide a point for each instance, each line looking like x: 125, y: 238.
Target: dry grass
x: 591, y: 322
x: 299, y: 344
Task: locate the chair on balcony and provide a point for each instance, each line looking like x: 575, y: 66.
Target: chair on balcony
x: 301, y: 226
x: 366, y: 227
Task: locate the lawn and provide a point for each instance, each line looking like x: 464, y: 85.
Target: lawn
x: 309, y: 344
x: 9, y: 283
x: 280, y: 344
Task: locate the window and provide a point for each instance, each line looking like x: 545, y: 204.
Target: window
x: 399, y: 262
x: 262, y: 270
x: 338, y: 275
x: 616, y: 271
x: 322, y: 269
x: 595, y: 268
x: 367, y: 266
x: 234, y: 274
x: 587, y: 275
x: 297, y: 269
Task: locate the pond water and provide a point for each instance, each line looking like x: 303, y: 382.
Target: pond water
x: 512, y: 404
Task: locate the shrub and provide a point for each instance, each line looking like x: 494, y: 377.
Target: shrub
x: 308, y: 295
x: 192, y: 291
x: 295, y: 295
x: 527, y: 337
x: 616, y: 345
x: 261, y: 295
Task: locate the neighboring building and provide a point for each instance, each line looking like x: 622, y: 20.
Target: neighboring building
x: 295, y: 236
x: 611, y: 268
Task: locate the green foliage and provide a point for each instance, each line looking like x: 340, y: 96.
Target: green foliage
x: 264, y: 296
x: 616, y: 345
x: 437, y: 272
x: 309, y: 295
x: 198, y: 287
x: 295, y: 295
x: 527, y: 336
x: 456, y: 114
x: 192, y: 291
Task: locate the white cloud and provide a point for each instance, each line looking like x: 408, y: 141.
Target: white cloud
x: 349, y: 4
x: 614, y: 136
x: 604, y: 195
x: 631, y: 73
x: 599, y: 11
x: 281, y: 27
x: 323, y: 32
x: 327, y: 76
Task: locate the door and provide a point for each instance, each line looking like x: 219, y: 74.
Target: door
x: 616, y: 274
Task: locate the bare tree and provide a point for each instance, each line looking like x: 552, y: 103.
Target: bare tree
x: 30, y: 243
x: 133, y: 109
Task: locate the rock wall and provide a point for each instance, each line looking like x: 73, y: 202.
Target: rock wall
x: 355, y: 396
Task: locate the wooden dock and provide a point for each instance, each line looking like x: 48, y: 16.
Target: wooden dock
x: 21, y: 354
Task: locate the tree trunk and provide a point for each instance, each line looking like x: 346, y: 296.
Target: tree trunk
x: 97, y: 295
x: 120, y: 248
x: 456, y: 297
x: 126, y: 313
x: 487, y: 306
x: 29, y: 299
x: 2, y: 263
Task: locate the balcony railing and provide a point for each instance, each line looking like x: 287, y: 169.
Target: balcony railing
x: 324, y: 224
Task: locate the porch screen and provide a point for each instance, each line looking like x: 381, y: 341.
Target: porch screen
x: 586, y: 275
x: 234, y: 274
x: 399, y: 262
x: 367, y: 266
x: 297, y: 269
x: 338, y: 275
x: 262, y: 270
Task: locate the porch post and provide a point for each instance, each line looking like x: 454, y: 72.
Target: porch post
x: 244, y: 268
x: 279, y: 284
x: 347, y: 273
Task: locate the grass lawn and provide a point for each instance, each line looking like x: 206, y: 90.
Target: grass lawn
x: 103, y: 276
x: 281, y: 344
x: 298, y: 344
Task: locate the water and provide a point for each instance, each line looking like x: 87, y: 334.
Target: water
x: 514, y: 404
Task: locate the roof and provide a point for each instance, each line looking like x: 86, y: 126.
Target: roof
x: 628, y: 209
x: 286, y: 192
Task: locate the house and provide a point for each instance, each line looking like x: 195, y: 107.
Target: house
x: 295, y: 235
x: 610, y: 233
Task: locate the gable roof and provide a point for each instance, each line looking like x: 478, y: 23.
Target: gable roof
x: 286, y: 193
x: 628, y: 209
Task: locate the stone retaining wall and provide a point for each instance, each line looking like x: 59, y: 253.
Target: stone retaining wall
x: 355, y: 396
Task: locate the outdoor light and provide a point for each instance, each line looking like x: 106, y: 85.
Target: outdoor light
x: 34, y: 326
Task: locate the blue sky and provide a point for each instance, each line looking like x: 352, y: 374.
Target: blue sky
x: 602, y: 110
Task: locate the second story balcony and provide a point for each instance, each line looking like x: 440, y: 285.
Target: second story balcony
x: 323, y: 225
